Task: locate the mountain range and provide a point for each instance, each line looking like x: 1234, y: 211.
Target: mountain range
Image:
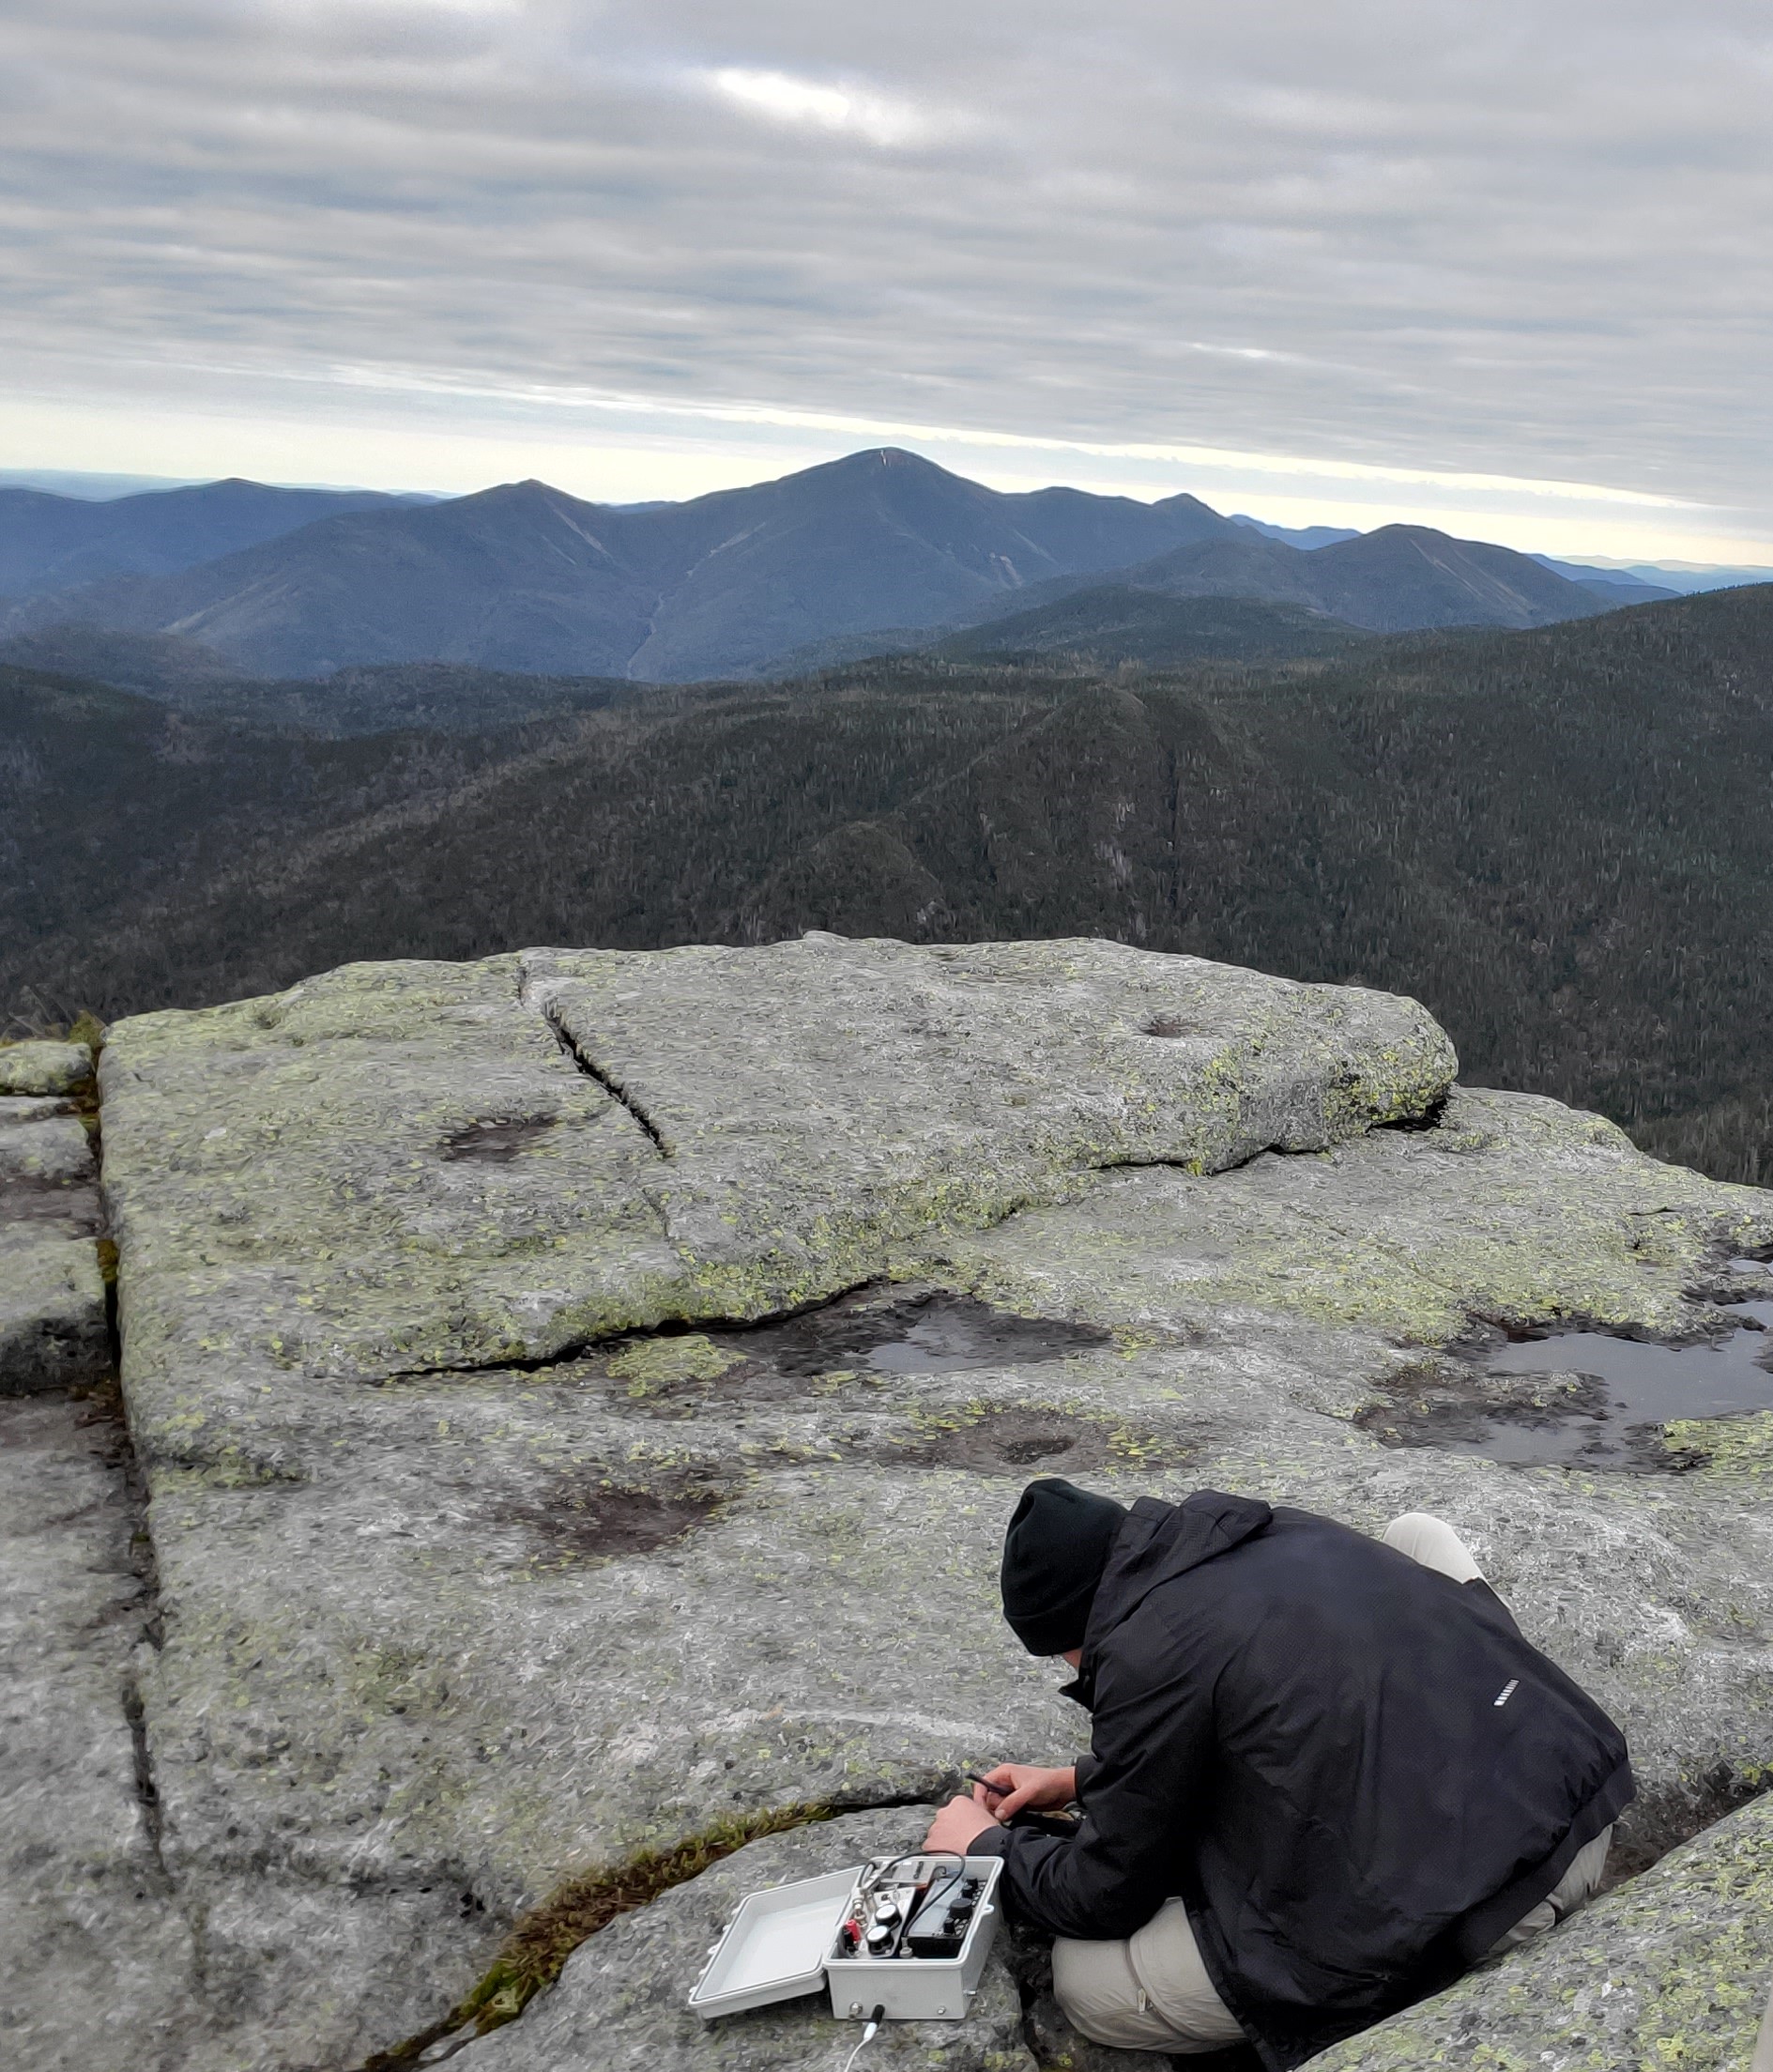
x: 882, y: 548
x: 50, y: 542
x: 1400, y: 578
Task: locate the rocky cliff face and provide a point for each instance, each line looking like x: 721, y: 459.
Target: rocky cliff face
x: 575, y: 1400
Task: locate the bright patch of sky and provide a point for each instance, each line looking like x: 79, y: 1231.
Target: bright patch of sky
x: 1500, y: 268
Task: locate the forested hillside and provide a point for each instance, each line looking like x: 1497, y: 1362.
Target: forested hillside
x: 1557, y: 839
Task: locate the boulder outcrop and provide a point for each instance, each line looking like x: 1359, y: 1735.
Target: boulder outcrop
x: 579, y: 1395
x: 53, y: 1329
x: 44, y: 1067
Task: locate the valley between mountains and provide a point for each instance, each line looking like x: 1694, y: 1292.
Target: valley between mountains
x: 1557, y: 838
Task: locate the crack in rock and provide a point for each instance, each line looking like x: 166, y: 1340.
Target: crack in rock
x: 614, y: 1087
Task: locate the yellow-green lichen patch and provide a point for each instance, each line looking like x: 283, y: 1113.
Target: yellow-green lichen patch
x: 1734, y: 1448
x: 649, y: 1363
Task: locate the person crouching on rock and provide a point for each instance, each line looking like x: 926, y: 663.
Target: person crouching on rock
x: 1326, y: 1773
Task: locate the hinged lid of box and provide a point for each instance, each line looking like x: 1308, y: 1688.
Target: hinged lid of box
x: 775, y: 1945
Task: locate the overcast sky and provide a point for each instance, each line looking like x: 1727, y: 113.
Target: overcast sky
x: 1500, y: 267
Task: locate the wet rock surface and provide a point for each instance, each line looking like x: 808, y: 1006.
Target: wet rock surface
x: 580, y: 1395
x: 1590, y: 1399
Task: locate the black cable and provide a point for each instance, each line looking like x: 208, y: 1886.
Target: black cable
x: 873, y: 2026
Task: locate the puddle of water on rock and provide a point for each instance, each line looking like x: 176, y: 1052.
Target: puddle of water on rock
x: 864, y: 1339
x: 1588, y: 1398
x: 915, y: 1333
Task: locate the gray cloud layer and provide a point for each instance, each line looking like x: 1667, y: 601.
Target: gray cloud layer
x: 1528, y: 240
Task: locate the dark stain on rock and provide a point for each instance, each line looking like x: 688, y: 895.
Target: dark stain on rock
x: 1428, y: 1121
x: 30, y: 1200
x: 1010, y: 1442
x: 1169, y: 1025
x: 496, y: 1142
x: 1439, y: 1405
x: 603, y: 1519
x: 1026, y: 1440
x: 1659, y: 1821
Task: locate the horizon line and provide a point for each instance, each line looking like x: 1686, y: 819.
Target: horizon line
x: 153, y: 484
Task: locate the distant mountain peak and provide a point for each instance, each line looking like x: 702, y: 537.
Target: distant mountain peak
x: 524, y: 577
x: 870, y: 460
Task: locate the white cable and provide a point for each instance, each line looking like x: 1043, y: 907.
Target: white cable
x: 867, y: 2038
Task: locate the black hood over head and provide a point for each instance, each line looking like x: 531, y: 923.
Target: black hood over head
x: 1158, y: 1542
x: 1054, y: 1553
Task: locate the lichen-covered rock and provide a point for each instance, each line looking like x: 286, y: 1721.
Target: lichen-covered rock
x: 1670, y: 1969
x: 17, y: 1107
x: 502, y: 1533
x: 53, y: 1330
x: 498, y: 1161
x: 621, y: 2003
x: 41, y: 1150
x: 44, y: 1067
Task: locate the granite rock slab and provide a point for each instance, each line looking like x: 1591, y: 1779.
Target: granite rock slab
x: 98, y: 1970
x: 42, y: 1150
x: 580, y: 1396
x: 53, y: 1332
x: 498, y: 1161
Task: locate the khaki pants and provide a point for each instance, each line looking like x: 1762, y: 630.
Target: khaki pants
x: 1151, y: 1991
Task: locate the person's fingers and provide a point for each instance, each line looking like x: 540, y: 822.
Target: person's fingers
x: 1017, y: 1798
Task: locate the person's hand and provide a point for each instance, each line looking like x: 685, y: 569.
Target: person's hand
x: 1011, y: 1786
x: 958, y: 1822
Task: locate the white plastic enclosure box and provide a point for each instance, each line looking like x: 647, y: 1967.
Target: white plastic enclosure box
x: 783, y: 1943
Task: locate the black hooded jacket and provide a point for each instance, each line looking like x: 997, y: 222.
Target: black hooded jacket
x: 1354, y: 1770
